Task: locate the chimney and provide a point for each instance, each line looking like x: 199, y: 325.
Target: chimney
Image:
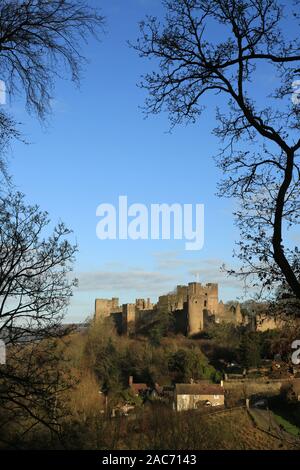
x: 130, y: 380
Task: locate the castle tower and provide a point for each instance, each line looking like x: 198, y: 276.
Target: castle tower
x: 212, y: 298
x: 195, y: 314
x: 195, y: 288
x: 104, y: 307
x: 128, y: 318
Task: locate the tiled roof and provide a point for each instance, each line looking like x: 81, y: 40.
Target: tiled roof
x: 199, y: 389
x: 139, y: 387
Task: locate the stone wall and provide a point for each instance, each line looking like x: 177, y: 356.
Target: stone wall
x: 105, y: 307
x: 129, y: 318
x: 192, y: 402
x: 259, y: 386
x: 193, y: 306
x: 264, y: 323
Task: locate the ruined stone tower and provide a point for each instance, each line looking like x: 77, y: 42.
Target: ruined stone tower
x: 202, y: 302
x: 194, y: 306
x: 129, y: 318
x: 211, y: 292
x: 195, y: 315
x: 105, y: 307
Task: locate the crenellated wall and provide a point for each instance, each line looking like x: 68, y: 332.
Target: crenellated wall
x: 105, y: 307
x: 193, y: 307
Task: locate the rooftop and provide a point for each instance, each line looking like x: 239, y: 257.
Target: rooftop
x: 139, y: 387
x: 199, y: 389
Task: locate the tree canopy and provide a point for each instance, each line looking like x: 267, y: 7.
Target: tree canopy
x: 222, y: 47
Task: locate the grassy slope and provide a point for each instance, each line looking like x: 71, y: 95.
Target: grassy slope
x: 241, y: 433
x: 287, y: 426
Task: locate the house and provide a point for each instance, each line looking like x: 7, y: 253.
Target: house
x: 194, y: 396
x: 137, y: 388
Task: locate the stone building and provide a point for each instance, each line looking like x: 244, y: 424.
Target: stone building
x: 194, y: 306
x: 263, y: 322
x: 194, y: 396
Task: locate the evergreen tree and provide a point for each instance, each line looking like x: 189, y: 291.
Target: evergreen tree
x: 250, y: 350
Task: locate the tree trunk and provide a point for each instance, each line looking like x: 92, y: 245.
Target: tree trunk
x: 279, y: 255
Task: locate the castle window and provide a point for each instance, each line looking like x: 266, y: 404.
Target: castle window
x: 205, y: 303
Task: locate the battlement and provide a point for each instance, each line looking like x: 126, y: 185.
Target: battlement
x: 105, y: 307
x: 144, y: 304
x: 193, y: 306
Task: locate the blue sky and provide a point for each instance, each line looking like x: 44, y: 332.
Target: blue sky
x: 97, y: 146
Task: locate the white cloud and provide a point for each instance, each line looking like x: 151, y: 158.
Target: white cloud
x: 116, y: 281
x: 169, y: 269
x: 202, y: 270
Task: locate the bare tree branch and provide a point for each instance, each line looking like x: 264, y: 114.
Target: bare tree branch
x: 192, y: 63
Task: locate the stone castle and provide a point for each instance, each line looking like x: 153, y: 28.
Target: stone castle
x: 194, y: 306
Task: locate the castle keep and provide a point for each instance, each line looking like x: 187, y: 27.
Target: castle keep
x: 194, y: 306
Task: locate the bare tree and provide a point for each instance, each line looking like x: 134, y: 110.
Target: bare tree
x: 35, y: 288
x: 40, y: 41
x: 38, y: 38
x: 8, y: 132
x: 222, y: 46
